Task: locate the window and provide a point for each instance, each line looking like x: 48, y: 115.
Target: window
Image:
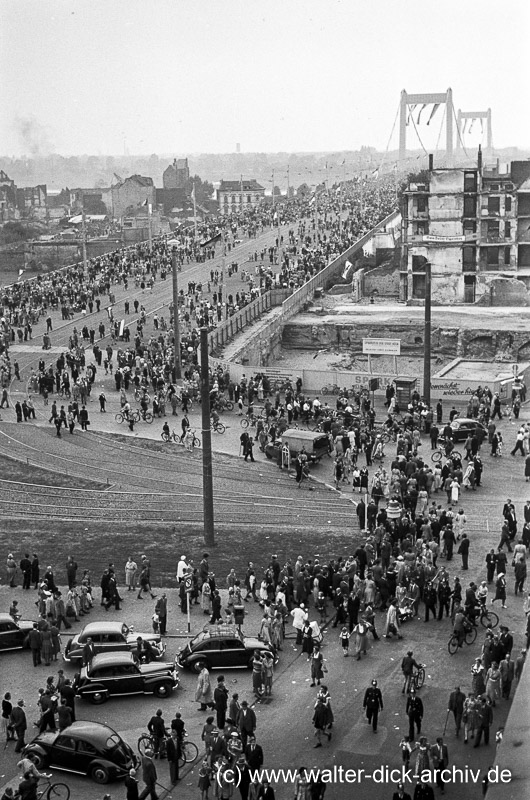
x: 421, y: 204
x: 470, y: 182
x: 249, y: 198
x: 422, y: 228
x: 208, y: 646
x: 508, y: 204
x: 494, y: 205
x: 87, y: 749
x: 468, y: 256
x: 232, y: 644
x: 233, y: 198
x: 418, y: 263
x: 470, y: 206
x: 470, y: 227
x: 126, y: 669
x: 103, y: 672
x: 507, y: 230
x: 65, y: 742
x: 507, y: 253
x: 493, y: 256
x: 493, y: 229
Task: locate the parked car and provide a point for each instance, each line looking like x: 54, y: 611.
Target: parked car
x: 13, y: 634
x: 108, y: 637
x: 221, y: 647
x: 463, y: 426
x: 85, y: 748
x: 110, y: 674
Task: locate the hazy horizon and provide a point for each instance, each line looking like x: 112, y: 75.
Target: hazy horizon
x: 89, y: 77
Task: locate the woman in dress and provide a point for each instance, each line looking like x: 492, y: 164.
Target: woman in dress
x: 470, y: 717
x: 455, y: 492
x: 422, y: 759
x: 478, y: 686
x: 317, y: 663
x: 307, y: 639
x: 131, y: 569
x: 46, y: 645
x: 493, y: 683
x: 56, y: 641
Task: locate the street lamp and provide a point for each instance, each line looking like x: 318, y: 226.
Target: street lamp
x: 427, y: 337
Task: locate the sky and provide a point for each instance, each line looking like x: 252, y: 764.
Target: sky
x: 189, y: 76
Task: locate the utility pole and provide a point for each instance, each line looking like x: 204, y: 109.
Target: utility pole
x: 272, y: 187
x: 149, y: 232
x: 83, y: 234
x: 288, y: 182
x: 194, y: 211
x: 177, y: 365
x: 207, y: 479
x: 241, y: 190
x: 427, y: 338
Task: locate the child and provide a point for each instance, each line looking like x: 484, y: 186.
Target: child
x: 267, y: 671
x: 344, y: 638
x: 156, y: 623
x: 321, y: 606
x: 501, y: 442
x: 406, y: 750
x: 204, y: 779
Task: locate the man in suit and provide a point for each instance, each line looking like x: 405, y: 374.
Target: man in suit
x: 401, y: 794
x: 89, y: 651
x: 456, y: 705
x: 220, y: 698
x: 373, y: 701
x: 254, y: 754
x: 131, y: 784
x: 20, y: 725
x: 149, y: 776
x: 246, y: 722
x: 35, y: 642
x: 485, y: 719
x: 440, y: 760
x: 173, y: 752
x: 68, y: 695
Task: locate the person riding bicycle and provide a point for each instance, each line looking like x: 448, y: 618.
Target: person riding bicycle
x: 165, y: 430
x: 144, y: 404
x: 27, y: 788
x: 157, y: 728
x: 126, y: 410
x: 461, y: 625
x: 408, y: 665
x: 214, y: 416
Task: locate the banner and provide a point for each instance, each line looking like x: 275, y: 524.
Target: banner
x: 347, y: 267
x: 435, y: 108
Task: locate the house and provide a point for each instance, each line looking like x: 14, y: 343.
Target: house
x: 133, y: 191
x: 234, y: 196
x: 8, y: 198
x: 471, y: 224
x: 177, y: 175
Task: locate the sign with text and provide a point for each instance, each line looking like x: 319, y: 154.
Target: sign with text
x: 382, y: 347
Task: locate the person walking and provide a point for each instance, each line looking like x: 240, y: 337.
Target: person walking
x: 131, y: 785
x: 456, y: 706
x: 414, y: 711
x: 317, y: 665
x: 320, y: 721
x: 484, y: 722
x: 20, y: 725
x: 173, y: 754
x: 373, y: 703
x: 149, y: 776
x: 220, y: 699
x: 463, y: 550
x: 161, y: 610
x: 203, y: 692
x: 440, y: 760
x: 500, y: 589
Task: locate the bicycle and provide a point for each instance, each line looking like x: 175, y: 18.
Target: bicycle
x: 178, y: 439
x: 454, y: 643
x: 217, y: 426
x: 52, y: 791
x: 440, y: 453
x: 188, y: 750
x: 417, y: 679
x: 333, y: 389
x: 488, y: 619
x: 132, y: 415
x: 251, y: 421
x: 146, y: 416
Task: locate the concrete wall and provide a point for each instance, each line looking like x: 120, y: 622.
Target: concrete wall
x: 384, y: 280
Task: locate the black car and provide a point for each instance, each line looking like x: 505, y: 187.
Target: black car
x: 85, y: 748
x: 110, y: 674
x: 13, y: 634
x: 222, y: 647
x: 110, y: 636
x: 462, y: 427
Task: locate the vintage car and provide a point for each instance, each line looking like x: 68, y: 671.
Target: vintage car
x: 108, y: 637
x: 462, y: 427
x: 13, y: 634
x: 221, y: 647
x: 85, y: 748
x: 119, y: 673
x: 314, y: 445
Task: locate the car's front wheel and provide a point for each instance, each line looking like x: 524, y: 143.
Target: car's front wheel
x: 100, y: 774
x: 37, y: 759
x: 162, y: 689
x: 97, y: 698
x: 199, y: 665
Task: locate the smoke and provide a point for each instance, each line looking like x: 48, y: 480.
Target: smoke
x: 35, y: 138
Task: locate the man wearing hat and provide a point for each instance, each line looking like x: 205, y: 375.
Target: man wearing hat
x: 20, y: 725
x: 131, y: 784
x: 35, y: 643
x: 401, y: 794
x: 414, y: 711
x: 373, y: 701
x: 254, y: 754
x: 506, y: 639
x: 182, y: 568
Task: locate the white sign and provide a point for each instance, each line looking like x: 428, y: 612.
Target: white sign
x: 382, y: 347
x: 432, y: 237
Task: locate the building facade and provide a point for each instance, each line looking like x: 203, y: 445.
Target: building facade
x: 177, y: 175
x: 234, y: 196
x: 132, y: 191
x: 470, y: 225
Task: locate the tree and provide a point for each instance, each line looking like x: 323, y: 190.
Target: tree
x: 203, y: 189
x: 303, y: 191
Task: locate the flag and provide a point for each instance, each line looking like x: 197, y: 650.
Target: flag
x: 375, y: 173
x: 20, y: 274
x: 211, y: 240
x: 412, y: 106
x: 312, y: 200
x: 193, y: 192
x: 481, y: 125
x: 421, y: 111
x: 435, y: 108
x: 347, y: 267
x: 471, y: 125
x: 464, y: 126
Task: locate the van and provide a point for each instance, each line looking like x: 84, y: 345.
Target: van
x: 315, y: 445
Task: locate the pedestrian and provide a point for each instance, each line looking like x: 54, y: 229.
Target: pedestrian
x: 372, y: 703
x: 320, y: 722
x: 493, y: 683
x: 220, y: 699
x: 257, y: 674
x: 500, y: 589
x: 484, y: 721
x: 317, y: 665
x: 456, y: 706
x: 149, y: 776
x: 361, y: 638
x: 20, y: 725
x: 161, y: 611
x: 463, y: 550
x: 131, y: 785
x: 203, y: 692
x: 440, y: 760
x: 246, y: 722
x: 173, y: 754
x: 344, y: 638
x: 414, y: 711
